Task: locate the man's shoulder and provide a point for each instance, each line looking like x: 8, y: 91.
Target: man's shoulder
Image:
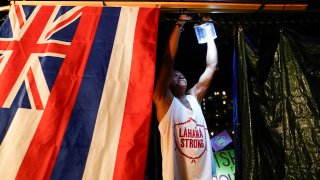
x: 193, y: 98
x: 162, y: 106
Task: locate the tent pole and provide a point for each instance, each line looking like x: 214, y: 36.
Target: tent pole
x: 175, y: 6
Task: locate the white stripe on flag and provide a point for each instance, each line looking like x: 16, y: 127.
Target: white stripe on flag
x: 103, y: 150
x: 5, y: 55
x: 16, y: 142
x: 41, y: 83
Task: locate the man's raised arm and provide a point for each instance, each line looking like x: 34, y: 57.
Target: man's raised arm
x: 199, y: 90
x: 162, y: 96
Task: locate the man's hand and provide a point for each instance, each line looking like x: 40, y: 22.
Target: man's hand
x: 206, y: 18
x: 183, y: 18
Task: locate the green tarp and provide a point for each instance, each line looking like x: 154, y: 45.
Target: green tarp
x: 278, y: 104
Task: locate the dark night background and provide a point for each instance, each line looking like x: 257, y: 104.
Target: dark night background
x: 190, y: 61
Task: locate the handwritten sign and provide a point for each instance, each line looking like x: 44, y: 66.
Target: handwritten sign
x: 225, y: 164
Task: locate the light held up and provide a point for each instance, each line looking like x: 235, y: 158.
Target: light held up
x: 205, y: 32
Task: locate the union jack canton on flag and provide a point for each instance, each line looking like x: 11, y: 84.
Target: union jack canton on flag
x: 76, y: 91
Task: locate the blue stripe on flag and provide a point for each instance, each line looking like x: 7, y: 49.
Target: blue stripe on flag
x: 73, y: 153
x: 6, y: 117
x: 22, y: 99
x: 50, y: 67
x: 68, y: 31
x: 28, y: 10
x: 6, y: 30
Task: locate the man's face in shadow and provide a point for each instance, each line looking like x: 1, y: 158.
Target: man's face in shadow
x: 178, y: 81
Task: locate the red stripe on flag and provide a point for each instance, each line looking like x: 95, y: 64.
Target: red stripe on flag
x: 34, y: 90
x: 134, y: 137
x: 19, y: 16
x: 40, y: 158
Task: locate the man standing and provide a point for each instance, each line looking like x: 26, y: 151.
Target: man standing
x: 185, y: 142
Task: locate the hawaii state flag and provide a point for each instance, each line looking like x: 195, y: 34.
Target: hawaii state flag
x: 76, y: 89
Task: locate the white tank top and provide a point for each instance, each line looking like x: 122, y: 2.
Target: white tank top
x: 185, y: 143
